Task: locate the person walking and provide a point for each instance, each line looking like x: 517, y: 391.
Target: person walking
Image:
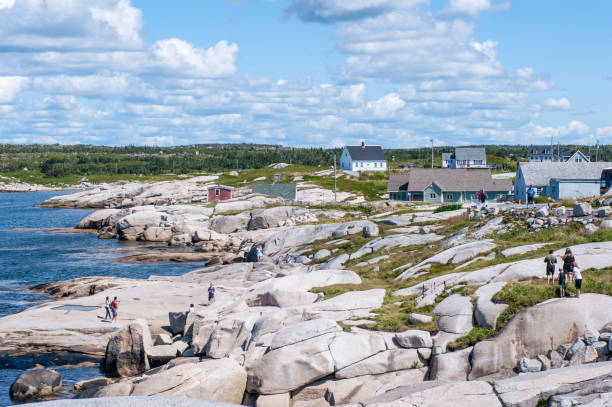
x: 550, y: 261
x: 115, y: 308
x: 107, y: 308
x: 562, y: 283
x: 577, y: 280
x: 211, y: 293
x: 482, y: 197
x: 531, y: 193
x: 568, y: 264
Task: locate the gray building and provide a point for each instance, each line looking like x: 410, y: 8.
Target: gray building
x: 561, y: 180
x: 446, y: 185
x: 548, y: 154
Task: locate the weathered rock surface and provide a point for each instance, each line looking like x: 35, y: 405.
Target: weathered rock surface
x: 36, y: 383
x: 529, y: 389
x: 414, y: 339
x: 127, y: 350
x: 451, y: 366
x: 536, y: 329
x: 276, y: 372
x: 382, y: 362
x: 487, y: 312
x: 222, y: 380
x: 513, y: 251
x: 454, y: 314
x: 155, y: 401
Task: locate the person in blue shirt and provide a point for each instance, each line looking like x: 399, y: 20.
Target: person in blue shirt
x: 531, y: 195
x: 211, y: 293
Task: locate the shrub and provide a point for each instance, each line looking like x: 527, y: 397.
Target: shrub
x: 444, y: 208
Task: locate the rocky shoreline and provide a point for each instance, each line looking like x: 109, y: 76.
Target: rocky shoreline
x: 271, y: 339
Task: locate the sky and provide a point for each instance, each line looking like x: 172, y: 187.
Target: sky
x: 311, y: 73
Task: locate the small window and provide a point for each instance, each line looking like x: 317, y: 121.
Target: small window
x: 449, y: 196
x: 217, y: 192
x: 432, y: 195
x: 538, y: 191
x: 375, y: 165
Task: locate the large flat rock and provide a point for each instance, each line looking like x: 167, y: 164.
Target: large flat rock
x: 45, y: 328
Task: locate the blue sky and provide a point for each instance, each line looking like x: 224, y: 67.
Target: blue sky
x: 305, y: 72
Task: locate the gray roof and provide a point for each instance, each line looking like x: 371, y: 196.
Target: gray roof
x: 540, y: 173
x: 451, y: 180
x: 467, y: 153
x: 366, y: 153
x: 446, y: 156
x: 540, y: 150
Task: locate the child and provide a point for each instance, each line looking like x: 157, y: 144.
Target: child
x: 550, y: 261
x: 561, y: 284
x: 577, y: 280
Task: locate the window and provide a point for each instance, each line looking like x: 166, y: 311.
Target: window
x: 538, y: 191
x: 375, y: 165
x: 449, y: 196
x: 217, y: 192
x: 432, y: 195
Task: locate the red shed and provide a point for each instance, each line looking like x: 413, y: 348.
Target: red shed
x: 220, y: 193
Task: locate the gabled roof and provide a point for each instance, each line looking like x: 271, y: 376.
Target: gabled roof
x: 467, y: 153
x: 366, y: 153
x: 540, y: 150
x: 540, y: 173
x: 449, y: 180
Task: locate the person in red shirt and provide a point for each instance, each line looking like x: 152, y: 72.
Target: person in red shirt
x: 115, y: 308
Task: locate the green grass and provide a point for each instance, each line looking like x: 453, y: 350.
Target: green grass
x: 474, y: 336
x: 445, y: 208
x: 523, y: 294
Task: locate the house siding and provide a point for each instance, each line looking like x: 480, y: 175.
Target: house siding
x: 432, y: 189
x: 573, y: 189
x: 224, y: 194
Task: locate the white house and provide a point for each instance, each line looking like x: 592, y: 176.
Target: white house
x: 465, y: 157
x: 363, y: 158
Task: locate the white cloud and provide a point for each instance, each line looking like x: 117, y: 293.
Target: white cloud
x: 327, y: 11
x: 70, y: 24
x: 6, y: 3
x: 183, y: 59
x: 386, y: 107
x: 10, y: 86
x: 558, y: 104
x: 473, y: 8
x: 604, y: 131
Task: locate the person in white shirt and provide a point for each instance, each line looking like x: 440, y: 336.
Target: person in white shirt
x: 577, y: 280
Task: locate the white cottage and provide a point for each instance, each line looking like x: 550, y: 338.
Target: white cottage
x: 363, y: 158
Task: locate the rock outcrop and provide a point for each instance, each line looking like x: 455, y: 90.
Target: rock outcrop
x: 36, y: 383
x: 127, y: 350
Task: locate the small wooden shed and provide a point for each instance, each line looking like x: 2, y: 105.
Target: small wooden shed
x: 220, y: 193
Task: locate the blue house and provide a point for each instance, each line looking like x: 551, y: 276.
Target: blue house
x: 561, y: 180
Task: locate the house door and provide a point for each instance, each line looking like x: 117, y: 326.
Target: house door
x: 417, y: 196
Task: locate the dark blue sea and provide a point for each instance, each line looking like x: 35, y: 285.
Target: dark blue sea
x: 32, y: 257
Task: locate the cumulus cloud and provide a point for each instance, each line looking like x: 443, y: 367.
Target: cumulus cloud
x: 69, y: 24
x: 10, y: 86
x: 183, y: 59
x: 558, y: 104
x: 386, y: 107
x: 472, y: 8
x: 604, y: 131
x: 6, y: 3
x: 329, y: 11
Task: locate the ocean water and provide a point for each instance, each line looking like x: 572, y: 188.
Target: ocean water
x: 33, y: 256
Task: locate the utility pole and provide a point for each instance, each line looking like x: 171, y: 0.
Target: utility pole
x: 432, y: 152
x: 334, y: 177
x: 597, y: 151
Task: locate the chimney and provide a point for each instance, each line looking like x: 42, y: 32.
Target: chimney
x: 362, y: 143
